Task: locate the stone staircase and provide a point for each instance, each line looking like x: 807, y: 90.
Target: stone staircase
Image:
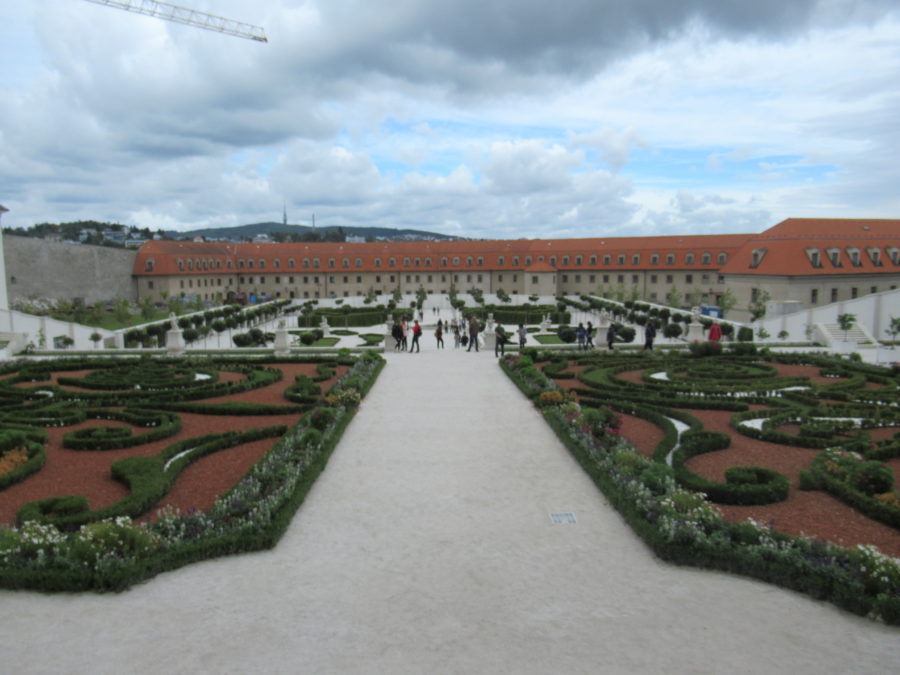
x: 835, y: 337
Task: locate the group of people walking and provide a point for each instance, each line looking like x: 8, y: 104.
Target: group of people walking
x: 466, y: 334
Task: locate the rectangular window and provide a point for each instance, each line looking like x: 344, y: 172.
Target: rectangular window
x: 534, y: 280
x: 577, y: 278
x: 834, y: 295
x: 854, y: 292
x: 688, y: 278
x: 652, y: 278
x: 814, y: 296
x: 565, y: 278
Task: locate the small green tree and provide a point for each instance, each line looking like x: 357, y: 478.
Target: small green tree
x: 95, y: 338
x: 846, y: 323
x: 757, y: 308
x: 893, y: 328
x: 726, y: 302
x: 673, y: 297
x: 783, y: 335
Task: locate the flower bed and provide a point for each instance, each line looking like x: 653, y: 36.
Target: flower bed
x: 110, y: 533
x: 677, y: 500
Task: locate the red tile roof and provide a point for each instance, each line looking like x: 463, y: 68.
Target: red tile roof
x: 784, y: 248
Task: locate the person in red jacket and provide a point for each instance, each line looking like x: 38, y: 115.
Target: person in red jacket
x: 715, y: 333
x: 417, y: 332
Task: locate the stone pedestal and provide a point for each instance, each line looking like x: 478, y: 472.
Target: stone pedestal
x: 545, y: 324
x: 174, y: 341
x: 324, y: 327
x: 694, y: 332
x: 389, y: 340
x: 282, y: 341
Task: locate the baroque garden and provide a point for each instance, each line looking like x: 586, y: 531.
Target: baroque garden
x: 116, y: 469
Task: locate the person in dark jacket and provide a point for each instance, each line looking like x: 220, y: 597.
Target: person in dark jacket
x: 610, y: 335
x: 649, y: 335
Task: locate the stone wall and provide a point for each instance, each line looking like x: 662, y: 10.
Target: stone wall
x: 37, y: 268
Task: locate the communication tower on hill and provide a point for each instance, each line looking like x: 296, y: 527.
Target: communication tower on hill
x: 189, y: 17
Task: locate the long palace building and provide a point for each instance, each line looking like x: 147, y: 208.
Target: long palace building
x: 806, y: 260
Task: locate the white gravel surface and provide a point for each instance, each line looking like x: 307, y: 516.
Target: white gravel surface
x: 427, y: 546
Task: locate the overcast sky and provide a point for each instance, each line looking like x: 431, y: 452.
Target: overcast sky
x: 487, y: 118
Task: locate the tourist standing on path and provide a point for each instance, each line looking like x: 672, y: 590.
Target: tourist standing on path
x: 715, y: 333
x: 456, y: 337
x: 649, y: 335
x: 439, y: 334
x: 405, y: 328
x: 589, y: 336
x: 473, y: 333
x: 397, y: 334
x: 417, y: 332
x: 610, y: 335
x: 499, y: 341
x: 581, y: 337
x: 523, y: 334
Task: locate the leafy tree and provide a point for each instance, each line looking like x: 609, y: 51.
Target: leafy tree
x: 846, y: 322
x: 726, y: 302
x: 757, y: 307
x: 894, y: 328
x: 673, y: 297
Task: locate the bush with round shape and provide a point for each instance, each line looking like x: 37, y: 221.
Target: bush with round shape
x: 872, y: 478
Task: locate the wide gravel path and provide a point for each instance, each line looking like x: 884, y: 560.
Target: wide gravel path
x: 428, y: 546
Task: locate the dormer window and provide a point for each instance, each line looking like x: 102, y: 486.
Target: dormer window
x: 456, y: 260
x: 359, y: 262
x: 706, y: 259
x: 670, y: 258
x: 594, y: 260
x: 654, y: 259
x: 756, y: 257
x: 553, y: 260
x: 331, y: 263
x: 377, y: 262
x: 875, y: 255
x: 500, y: 261
x: 276, y: 263
x: 689, y: 258
x: 814, y: 257
x: 528, y: 261
x: 406, y: 261
x: 578, y: 260
x: 607, y: 260
x: 428, y: 262
x: 854, y: 255
x: 149, y: 266
x: 636, y: 259
x: 893, y: 253
x: 834, y: 256
x: 722, y: 258
x: 620, y: 259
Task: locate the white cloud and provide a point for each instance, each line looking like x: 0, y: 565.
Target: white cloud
x: 497, y: 118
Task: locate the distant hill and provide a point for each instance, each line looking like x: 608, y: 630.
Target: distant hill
x: 243, y: 232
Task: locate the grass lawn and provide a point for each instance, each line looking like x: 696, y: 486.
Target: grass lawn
x: 549, y: 339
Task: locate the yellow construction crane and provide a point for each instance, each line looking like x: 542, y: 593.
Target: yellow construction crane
x: 189, y: 17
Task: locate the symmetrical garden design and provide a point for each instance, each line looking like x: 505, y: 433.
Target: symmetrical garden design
x: 90, y: 449
x: 811, y: 426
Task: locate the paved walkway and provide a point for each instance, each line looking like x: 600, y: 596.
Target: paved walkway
x: 427, y: 546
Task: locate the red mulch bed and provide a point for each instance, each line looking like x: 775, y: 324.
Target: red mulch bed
x: 80, y: 472
x: 815, y: 514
